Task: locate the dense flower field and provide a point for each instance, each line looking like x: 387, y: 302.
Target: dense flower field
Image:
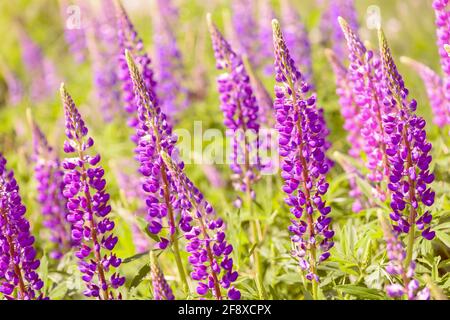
x: 227, y: 149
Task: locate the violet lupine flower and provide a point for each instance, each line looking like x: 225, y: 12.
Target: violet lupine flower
x: 408, y: 153
x: 103, y: 49
x: 265, y: 16
x: 39, y: 68
x: 240, y: 111
x: 209, y: 251
x: 129, y: 40
x: 18, y: 277
x: 296, y: 36
x: 84, y: 188
x: 14, y: 85
x: 330, y: 27
x: 154, y: 134
x: 74, y: 35
x: 301, y: 141
x: 170, y: 191
x: 245, y: 28
x: 408, y: 286
x: 435, y: 91
x: 442, y: 11
x: 49, y: 177
x: 161, y: 289
x: 168, y: 61
x: 365, y: 77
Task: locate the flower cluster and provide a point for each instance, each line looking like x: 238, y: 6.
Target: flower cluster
x: 365, y: 79
x: 408, y: 153
x: 103, y: 49
x: 18, y: 262
x: 435, y: 91
x: 161, y: 289
x: 129, y: 40
x: 240, y: 111
x: 209, y: 251
x: 84, y: 188
x: 265, y: 15
x: 302, y: 142
x: 442, y: 11
x: 74, y: 32
x: 14, y: 85
x: 395, y: 267
x: 168, y: 61
x: 49, y: 176
x: 39, y: 68
x: 296, y: 37
x: 245, y: 28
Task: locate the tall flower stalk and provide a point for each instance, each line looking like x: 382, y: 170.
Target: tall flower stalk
x: 209, y: 251
x: 240, y: 110
x: 155, y: 135
x: 365, y: 77
x: 84, y: 188
x: 442, y: 12
x: 18, y: 277
x: 408, y: 154
x: 49, y: 177
x: 301, y: 145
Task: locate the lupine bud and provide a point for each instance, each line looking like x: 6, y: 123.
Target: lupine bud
x: 84, y: 188
x: 302, y: 136
x: 161, y: 289
x: 408, y: 153
x: 18, y: 277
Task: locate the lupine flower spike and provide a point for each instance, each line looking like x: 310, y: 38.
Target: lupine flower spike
x: 442, y: 12
x: 74, y: 33
x: 409, y: 156
x: 155, y: 135
x: 207, y: 245
x: 18, y: 277
x: 49, y: 178
x: 407, y: 285
x: 84, y: 188
x: 240, y: 110
x: 365, y: 77
x: 161, y: 289
x: 435, y: 91
x: 301, y: 140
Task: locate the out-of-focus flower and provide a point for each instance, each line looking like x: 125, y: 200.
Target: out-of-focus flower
x: 161, y: 289
x: 75, y: 35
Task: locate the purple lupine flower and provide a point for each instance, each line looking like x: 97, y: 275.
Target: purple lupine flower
x: 301, y: 145
x: 161, y: 289
x: 265, y: 16
x: 435, y: 91
x: 240, y: 111
x: 49, y: 177
x: 396, y: 254
x: 365, y: 79
x: 170, y: 192
x: 104, y: 49
x: 129, y: 40
x: 209, y: 251
x: 18, y: 277
x: 87, y: 202
x: 408, y: 153
x: 213, y: 175
x: 13, y: 84
x: 245, y: 28
x: 330, y: 28
x: 74, y: 33
x: 296, y: 37
x: 442, y: 11
x: 172, y: 94
x: 39, y: 68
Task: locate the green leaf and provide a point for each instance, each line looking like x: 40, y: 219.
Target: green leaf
x: 140, y: 275
x: 43, y: 271
x: 135, y: 257
x: 361, y: 292
x: 444, y: 237
x: 59, y: 291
